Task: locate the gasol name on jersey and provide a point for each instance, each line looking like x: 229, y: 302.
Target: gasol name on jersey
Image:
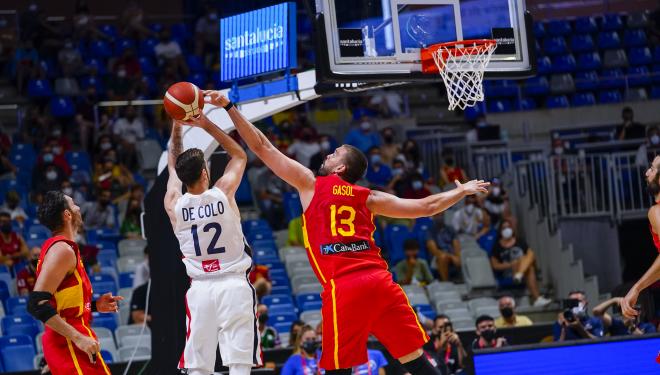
x: 202, y: 212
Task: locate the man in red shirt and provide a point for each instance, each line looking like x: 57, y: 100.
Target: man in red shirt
x: 359, y: 296
x: 26, y: 277
x: 12, y: 246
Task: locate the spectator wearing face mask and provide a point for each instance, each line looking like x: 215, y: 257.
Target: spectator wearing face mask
x: 411, y: 153
x: 444, y: 246
x: 99, y: 214
x: 575, y: 323
x: 513, y: 258
x: 629, y: 129
x: 412, y: 270
x: 450, y: 172
x: 471, y: 219
x: 112, y: 176
x: 12, y: 206
x: 269, y: 337
x: 363, y: 137
x: 647, y: 151
x: 13, y: 249
x: 325, y: 148
x: 445, y: 346
x: 75, y: 194
x: 399, y: 182
x: 508, y: 316
x: 417, y: 188
x: 496, y: 202
x: 130, y: 129
x: 487, y: 334
x: 620, y: 326
x: 305, y: 358
x: 389, y: 149
x: 49, y: 155
x: 168, y: 51
x: 58, y: 139
x: 26, y: 277
x: 48, y: 177
x: 378, y: 174
x: 130, y: 226
x: 294, y: 332
x: 304, y: 148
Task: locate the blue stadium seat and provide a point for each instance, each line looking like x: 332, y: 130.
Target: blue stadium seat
x: 107, y: 356
x: 655, y: 92
x: 279, y: 280
x: 292, y: 206
x: 395, y: 235
x: 126, y: 279
x: 539, y: 30
x: 656, y: 54
x: 5, y: 281
x: 610, y: 96
x: 500, y: 105
x: 156, y: 27
x: 92, y: 81
x: 609, y: 40
x: 284, y: 317
x: 150, y: 81
x: 471, y: 113
x: 425, y: 310
x: 587, y: 80
x: 107, y: 258
x: 280, y: 309
x: 640, y: 56
x: 244, y: 192
x: 147, y: 66
x: 16, y: 306
x: 500, y: 88
x: 108, y: 321
x: 277, y: 299
x: 634, y: 38
x: 612, y: 79
x: 555, y: 45
x: 655, y: 73
x: 543, y: 65
x: 122, y: 45
x: 17, y: 353
x: 307, y: 297
x: 199, y: 79
x: 103, y: 234
x: 585, y: 25
x: 589, y: 61
x: 39, y: 230
x: 102, y: 283
x: 564, y: 64
x: 109, y: 30
x: 558, y: 27
x: 80, y: 159
x: 583, y: 99
x: 525, y: 104
x: 195, y: 64
x: 281, y: 289
x: 283, y: 326
x: 146, y: 47
x: 258, y: 224
x: 180, y: 31
x: 639, y: 76
x: 62, y: 106
x: 310, y: 306
x: 100, y: 49
x: 612, y: 22
x: 557, y: 101
x: 536, y: 86
x: 39, y: 88
x: 582, y: 43
x: 20, y: 325
x: 98, y: 64
x: 50, y: 68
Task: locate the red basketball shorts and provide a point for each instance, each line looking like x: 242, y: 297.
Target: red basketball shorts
x: 355, y: 307
x: 64, y: 357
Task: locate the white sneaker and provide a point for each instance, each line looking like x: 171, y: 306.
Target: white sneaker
x: 517, y: 278
x: 542, y: 302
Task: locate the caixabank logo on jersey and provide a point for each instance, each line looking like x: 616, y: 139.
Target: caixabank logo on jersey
x: 338, y: 248
x: 258, y: 42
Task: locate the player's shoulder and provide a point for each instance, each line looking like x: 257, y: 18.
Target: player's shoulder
x: 654, y: 211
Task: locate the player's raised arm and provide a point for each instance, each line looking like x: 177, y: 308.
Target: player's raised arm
x: 174, y: 185
x: 391, y: 206
x: 294, y: 173
x: 233, y: 173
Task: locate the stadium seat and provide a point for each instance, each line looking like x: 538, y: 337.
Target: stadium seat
x: 586, y: 81
x: 615, y: 58
x: 563, y: 64
x: 395, y: 235
x: 559, y: 27
x: 640, y: 56
x: 612, y: 79
x: 612, y: 22
x: 40, y: 230
x: 122, y: 45
x: 107, y: 258
x: 310, y: 305
x: 137, y: 354
x: 555, y: 45
x: 471, y: 113
x: 609, y: 40
x: 126, y: 279
x: 62, y: 107
x: 655, y: 92
x: 311, y: 297
x: 499, y: 105
x: 195, y: 64
x: 637, y: 20
x: 655, y: 73
x: 634, y: 38
x: 539, y: 30
x: 639, y: 76
x: 582, y: 43
x: 92, y: 81
x: 525, y: 104
x: 292, y: 206
x: 108, y: 321
x: 585, y: 25
x: 16, y: 306
x: 283, y: 326
x: 130, y: 330
x: 544, y: 65
x: 39, y: 88
x: 146, y: 47
x: 20, y: 325
x: 277, y: 299
x: 536, y: 86
x: 109, y: 30
x: 198, y: 78
x: 635, y: 94
x: 455, y: 314
x: 562, y: 84
x: 610, y: 96
x: 583, y: 99
x: 589, y: 61
x: 284, y: 317
x: 560, y: 101
x: 136, y: 341
x: 656, y: 54
x: 180, y: 31
x: 147, y: 65
x: 100, y: 49
x: 477, y: 271
x: 131, y: 247
x: 243, y: 195
x: 311, y: 317
x: 107, y: 356
x: 97, y: 64
x: 500, y: 88
x: 17, y: 353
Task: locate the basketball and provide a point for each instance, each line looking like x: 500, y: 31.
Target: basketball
x: 183, y: 101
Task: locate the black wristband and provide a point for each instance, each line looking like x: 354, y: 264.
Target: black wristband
x: 94, y: 309
x: 228, y: 106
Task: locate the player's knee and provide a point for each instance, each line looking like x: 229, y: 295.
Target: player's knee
x: 411, y: 356
x: 240, y: 369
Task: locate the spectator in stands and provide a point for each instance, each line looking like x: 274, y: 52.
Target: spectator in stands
x: 647, y: 151
x: 305, y: 357
x: 513, y: 258
x: 59, y: 142
x: 389, y: 150
x: 305, y: 148
x: 629, y: 129
x: 132, y: 22
x: 136, y: 193
x: 75, y: 193
x: 444, y: 247
x: 130, y: 129
x: 363, y: 137
x: 12, y: 206
x: 24, y: 63
x: 84, y: 26
x: 471, y: 219
x: 269, y: 336
x: 375, y: 365
x: 207, y: 30
x: 53, y: 156
x: 295, y: 237
x: 575, y: 323
x: 260, y: 279
x: 487, y: 334
x: 131, y: 226
x: 122, y: 82
x: 450, y: 172
x: 410, y: 151
x: 412, y: 270
x: 296, y: 327
x: 26, y: 277
x: 416, y: 189
x: 168, y: 51
x: 378, y: 173
x: 12, y: 245
x: 400, y: 178
x: 47, y: 177
x: 99, y: 214
x: 7, y: 169
x: 69, y: 58
x: 84, y: 118
x: 508, y: 316
x: 139, y: 305
x: 446, y: 345
x: 112, y: 176
x: 270, y: 189
x: 325, y: 147
x: 620, y: 326
x: 387, y: 103
x: 497, y: 202
x: 142, y: 272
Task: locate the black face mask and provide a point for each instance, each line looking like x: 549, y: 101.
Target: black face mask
x: 6, y: 228
x: 310, y: 347
x: 507, y: 312
x: 104, y: 203
x: 488, y: 335
x: 34, y: 262
x: 263, y: 318
x: 388, y: 138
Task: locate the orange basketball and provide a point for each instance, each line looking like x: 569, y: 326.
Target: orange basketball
x: 183, y: 101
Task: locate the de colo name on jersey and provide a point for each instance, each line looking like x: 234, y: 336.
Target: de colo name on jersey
x: 201, y: 212
x: 336, y: 248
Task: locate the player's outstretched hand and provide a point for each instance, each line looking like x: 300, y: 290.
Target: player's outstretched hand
x: 628, y: 302
x: 107, y: 303
x: 473, y: 187
x: 215, y: 97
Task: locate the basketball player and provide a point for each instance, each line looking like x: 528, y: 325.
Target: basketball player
x: 221, y: 302
x: 359, y: 296
x: 653, y: 273
x: 62, y: 296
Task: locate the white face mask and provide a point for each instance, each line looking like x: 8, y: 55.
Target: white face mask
x: 496, y: 191
x: 397, y: 171
x: 325, y: 145
x: 121, y: 73
x: 559, y: 150
x: 469, y: 208
x: 417, y: 185
x: 375, y: 159
x: 365, y: 125
x: 655, y: 139
x: 507, y: 233
x: 51, y: 175
x: 68, y: 191
x: 106, y: 146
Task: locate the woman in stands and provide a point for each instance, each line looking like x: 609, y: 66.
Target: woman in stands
x: 306, y: 354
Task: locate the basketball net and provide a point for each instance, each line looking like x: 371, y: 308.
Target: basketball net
x: 462, y: 69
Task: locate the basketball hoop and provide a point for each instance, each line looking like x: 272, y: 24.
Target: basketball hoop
x: 461, y: 65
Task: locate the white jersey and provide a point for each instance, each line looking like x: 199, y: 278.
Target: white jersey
x: 210, y: 235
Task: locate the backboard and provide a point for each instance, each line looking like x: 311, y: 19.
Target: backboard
x: 380, y: 40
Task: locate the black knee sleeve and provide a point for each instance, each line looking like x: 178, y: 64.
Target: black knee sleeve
x: 342, y: 371
x: 421, y: 366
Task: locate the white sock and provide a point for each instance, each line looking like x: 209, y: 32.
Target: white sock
x: 240, y: 369
x: 198, y: 371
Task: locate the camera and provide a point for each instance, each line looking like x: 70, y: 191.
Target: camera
x: 447, y: 328
x: 571, y: 309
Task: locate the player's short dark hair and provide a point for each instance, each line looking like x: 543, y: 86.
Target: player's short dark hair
x: 484, y: 318
x: 51, y: 209
x: 356, y: 164
x: 410, y: 244
x: 189, y: 166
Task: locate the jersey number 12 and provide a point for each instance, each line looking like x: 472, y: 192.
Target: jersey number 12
x: 211, y: 249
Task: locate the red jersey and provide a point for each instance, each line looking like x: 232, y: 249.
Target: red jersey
x: 338, y: 230
x: 656, y: 239
x: 11, y: 247
x: 25, y: 280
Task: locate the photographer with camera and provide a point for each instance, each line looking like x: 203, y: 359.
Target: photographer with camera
x: 445, y: 346
x: 487, y: 334
x: 621, y: 326
x: 574, y: 322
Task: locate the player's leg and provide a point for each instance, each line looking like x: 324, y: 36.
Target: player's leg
x: 201, y: 331
x: 239, y: 339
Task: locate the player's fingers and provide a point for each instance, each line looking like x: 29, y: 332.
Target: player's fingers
x: 118, y: 298
x: 91, y: 357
